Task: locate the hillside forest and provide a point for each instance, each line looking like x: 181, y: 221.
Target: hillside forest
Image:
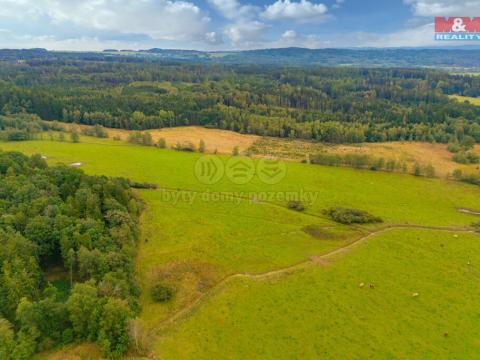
x: 335, y: 105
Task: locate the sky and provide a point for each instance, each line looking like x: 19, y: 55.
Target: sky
x: 224, y: 24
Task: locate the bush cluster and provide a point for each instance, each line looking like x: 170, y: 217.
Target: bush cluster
x: 466, y: 157
x: 296, y: 205
x: 140, y: 138
x: 364, y: 161
x: 352, y: 216
x: 96, y: 131
x: 161, y: 293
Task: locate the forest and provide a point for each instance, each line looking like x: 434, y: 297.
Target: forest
x: 329, y: 104
x: 58, y: 217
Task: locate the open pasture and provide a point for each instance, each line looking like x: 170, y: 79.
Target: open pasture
x: 256, y: 279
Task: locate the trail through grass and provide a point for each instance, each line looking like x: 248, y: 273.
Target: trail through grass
x: 324, y: 312
x: 194, y: 241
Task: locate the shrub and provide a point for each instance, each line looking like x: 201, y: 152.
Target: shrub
x: 17, y: 135
x: 417, y: 170
x: 468, y: 142
x: 96, y: 131
x: 296, y: 205
x: 142, y: 185
x: 454, y: 148
x: 457, y: 174
x: 140, y: 138
x: 187, y: 147
x: 358, y: 161
x: 471, y: 179
x: 430, y: 171
x: 161, y: 293
x: 466, y: 157
x: 74, y: 137
x: 352, y: 216
x: 162, y: 144
x: 201, y: 146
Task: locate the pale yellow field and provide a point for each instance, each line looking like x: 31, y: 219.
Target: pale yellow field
x: 409, y: 152
x: 471, y: 100
x: 222, y: 141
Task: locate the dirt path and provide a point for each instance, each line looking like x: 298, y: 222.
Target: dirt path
x: 314, y: 260
x: 297, y: 267
x: 468, y: 211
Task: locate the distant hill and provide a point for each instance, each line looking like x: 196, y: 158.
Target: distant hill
x: 457, y: 58
x: 452, y: 57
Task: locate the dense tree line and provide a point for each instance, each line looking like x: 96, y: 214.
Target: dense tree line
x: 338, y: 105
x: 58, y: 216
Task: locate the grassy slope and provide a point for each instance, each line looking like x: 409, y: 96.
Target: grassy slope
x: 202, y: 242
x: 197, y: 244
x: 323, y: 313
x: 397, y: 198
x: 296, y: 149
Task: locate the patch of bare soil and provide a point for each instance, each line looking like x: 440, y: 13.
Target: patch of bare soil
x: 317, y: 232
x: 320, y: 261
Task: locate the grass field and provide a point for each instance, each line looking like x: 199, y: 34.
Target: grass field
x: 224, y: 142
x: 397, y: 198
x: 252, y: 278
x: 323, y: 313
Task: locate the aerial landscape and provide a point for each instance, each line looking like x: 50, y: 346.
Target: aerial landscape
x: 241, y: 180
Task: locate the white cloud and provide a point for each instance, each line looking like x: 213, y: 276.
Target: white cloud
x: 418, y: 36
x: 291, y: 38
x: 10, y: 40
x: 245, y: 34
x: 213, y: 38
x: 244, y: 29
x: 303, y: 11
x: 444, y: 7
x: 159, y: 19
x: 233, y: 9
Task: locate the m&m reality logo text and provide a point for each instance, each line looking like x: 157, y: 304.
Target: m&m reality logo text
x: 457, y: 28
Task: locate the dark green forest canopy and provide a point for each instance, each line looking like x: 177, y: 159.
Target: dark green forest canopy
x: 60, y: 217
x: 338, y: 105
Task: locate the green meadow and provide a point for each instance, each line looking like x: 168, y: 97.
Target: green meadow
x: 227, y: 250
x: 323, y: 313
